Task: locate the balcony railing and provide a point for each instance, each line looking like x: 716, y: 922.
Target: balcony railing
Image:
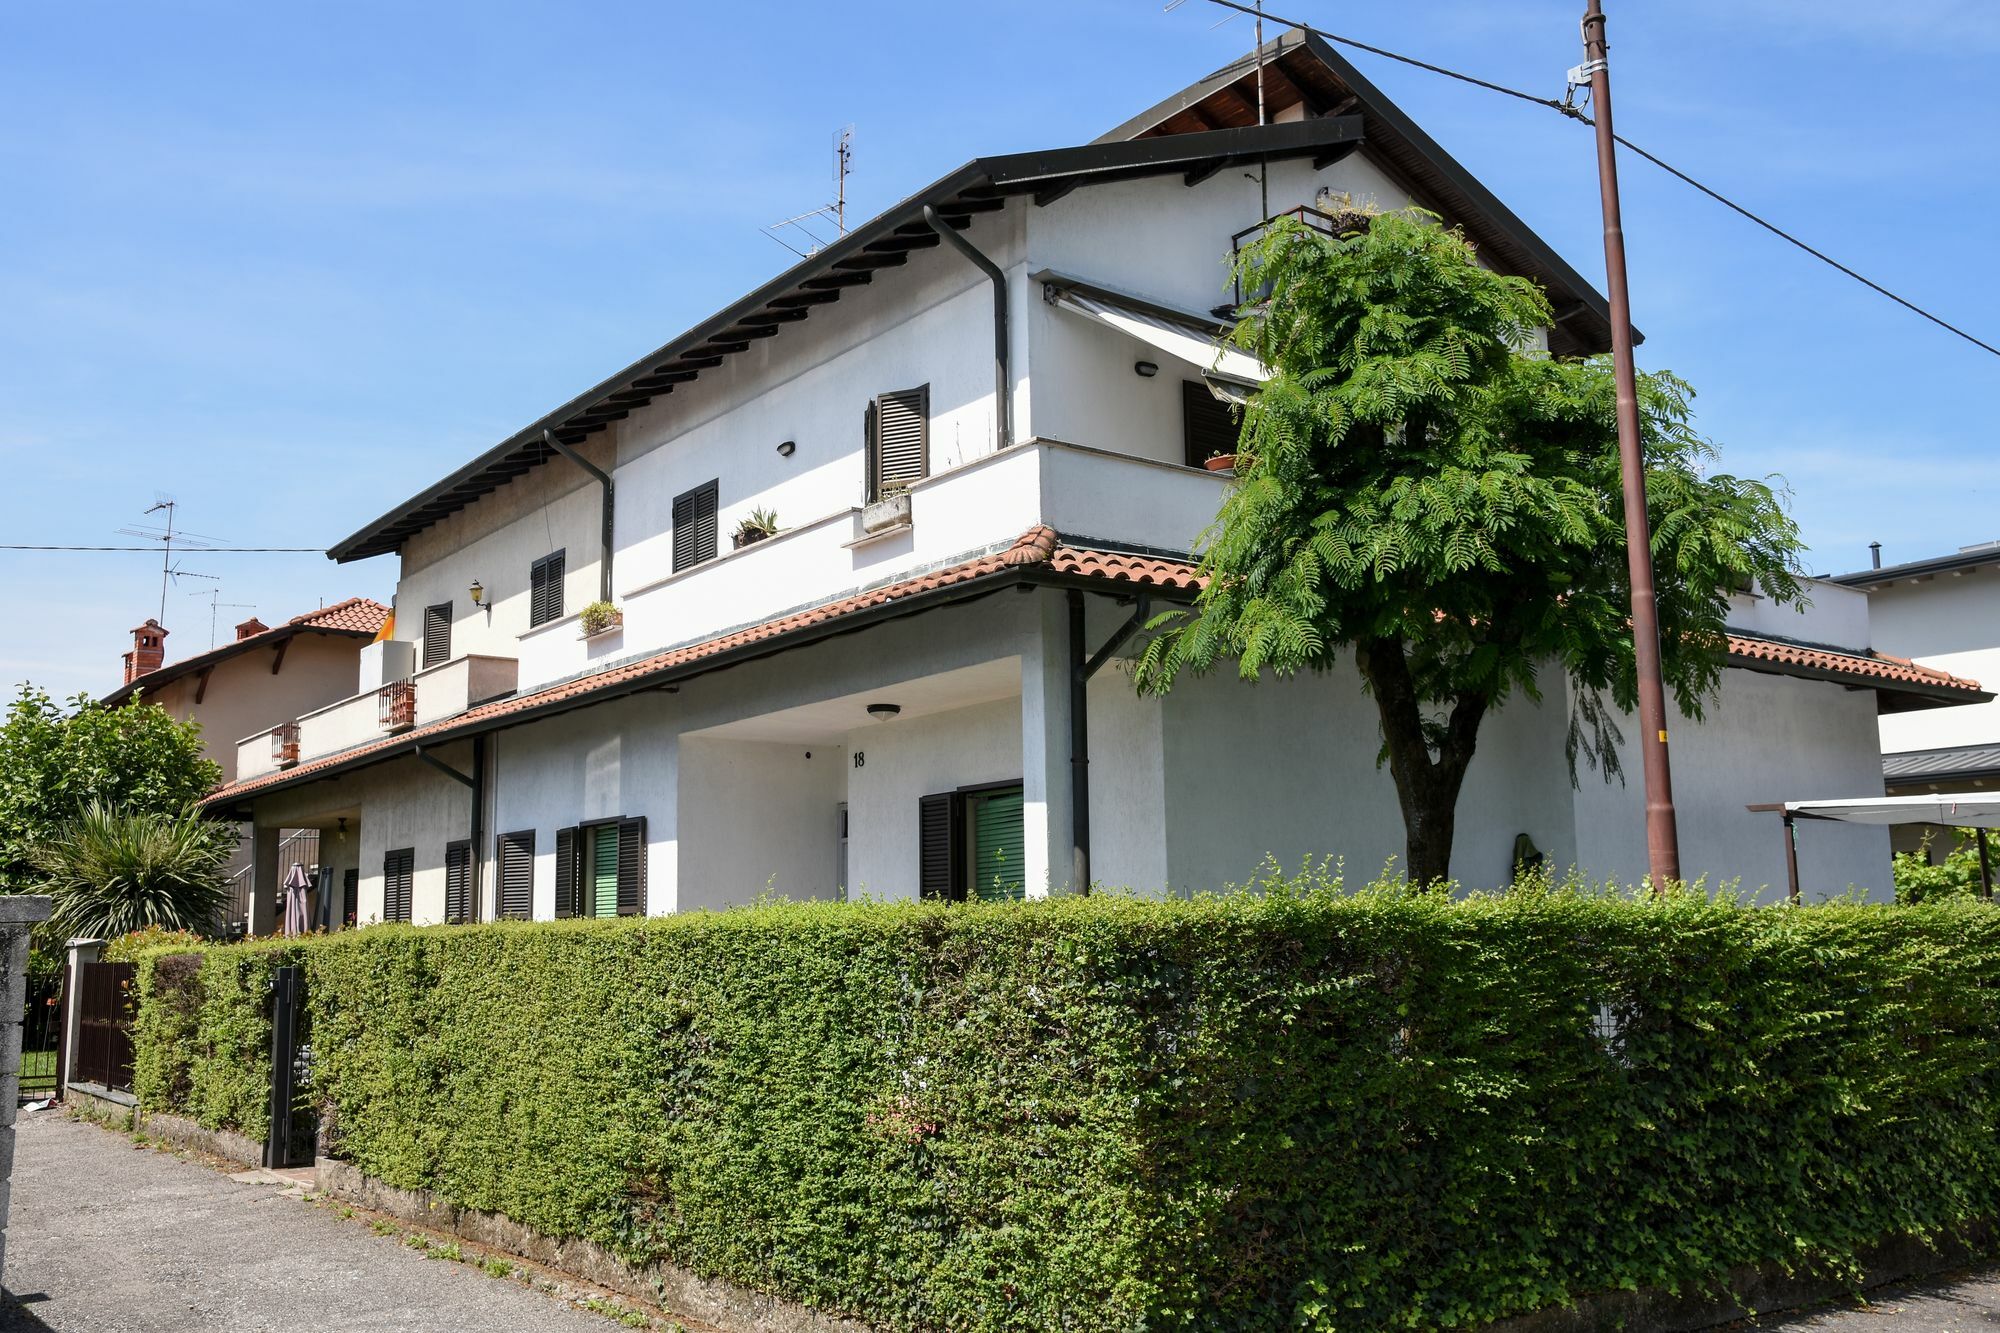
x: 396, y: 703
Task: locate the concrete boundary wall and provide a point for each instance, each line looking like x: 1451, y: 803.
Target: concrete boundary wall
x: 674, y: 1289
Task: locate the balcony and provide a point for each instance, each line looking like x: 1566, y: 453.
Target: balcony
x: 986, y: 503
x: 431, y: 695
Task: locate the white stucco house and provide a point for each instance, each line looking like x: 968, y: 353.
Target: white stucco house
x: 1944, y: 612
x: 979, y: 420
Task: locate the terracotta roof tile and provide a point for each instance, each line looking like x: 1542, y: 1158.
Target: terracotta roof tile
x: 1864, y: 667
x: 1037, y: 546
x: 360, y: 615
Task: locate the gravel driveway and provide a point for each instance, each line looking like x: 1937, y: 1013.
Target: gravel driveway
x: 107, y: 1236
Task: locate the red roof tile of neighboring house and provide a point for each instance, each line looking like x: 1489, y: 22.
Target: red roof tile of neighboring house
x: 1039, y: 550
x: 361, y: 617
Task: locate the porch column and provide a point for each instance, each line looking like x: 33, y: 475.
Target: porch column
x: 1049, y: 843
x: 264, y: 879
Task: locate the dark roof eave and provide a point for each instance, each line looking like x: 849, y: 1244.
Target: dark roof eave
x: 187, y: 666
x: 1911, y: 569
x: 997, y: 177
x: 1914, y: 695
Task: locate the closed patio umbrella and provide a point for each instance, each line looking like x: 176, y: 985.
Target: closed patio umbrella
x: 296, y: 885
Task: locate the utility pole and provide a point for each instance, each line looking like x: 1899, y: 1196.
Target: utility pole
x: 1663, y: 856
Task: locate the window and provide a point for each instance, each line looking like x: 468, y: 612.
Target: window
x: 545, y: 589
x: 398, y: 873
x: 350, y: 894
x: 517, y: 875
x: 1209, y: 425
x: 601, y: 869
x: 972, y: 844
x: 899, y: 440
x: 694, y: 526
x: 437, y: 634
x: 457, y: 882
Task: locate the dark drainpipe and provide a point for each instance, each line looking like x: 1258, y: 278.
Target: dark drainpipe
x: 1003, y: 411
x: 1084, y: 664
x: 610, y: 495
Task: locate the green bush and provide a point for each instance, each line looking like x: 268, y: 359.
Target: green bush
x: 1301, y: 1109
x: 201, y: 1044
x: 1917, y: 880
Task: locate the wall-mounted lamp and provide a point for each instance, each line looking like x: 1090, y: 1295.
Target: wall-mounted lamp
x: 787, y: 448
x: 883, y: 712
x: 1146, y: 369
x: 477, y: 592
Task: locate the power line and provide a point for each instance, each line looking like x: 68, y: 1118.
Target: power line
x: 149, y: 550
x: 1571, y: 111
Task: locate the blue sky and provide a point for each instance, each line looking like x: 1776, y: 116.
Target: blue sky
x: 291, y: 263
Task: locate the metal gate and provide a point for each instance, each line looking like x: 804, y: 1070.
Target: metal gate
x: 293, y: 1136
x: 41, y: 1036
x: 107, y: 996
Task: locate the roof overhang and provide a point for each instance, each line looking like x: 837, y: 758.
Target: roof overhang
x: 189, y: 666
x: 1958, y: 810
x: 1958, y: 562
x: 1302, y: 69
x: 983, y: 185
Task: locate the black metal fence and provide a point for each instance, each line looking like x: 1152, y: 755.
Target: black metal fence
x: 107, y: 998
x: 41, y: 1037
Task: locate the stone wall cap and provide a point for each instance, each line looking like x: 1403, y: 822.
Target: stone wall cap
x: 18, y: 909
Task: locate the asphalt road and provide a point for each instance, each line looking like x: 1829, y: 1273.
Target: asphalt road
x: 107, y: 1236
x: 1960, y: 1301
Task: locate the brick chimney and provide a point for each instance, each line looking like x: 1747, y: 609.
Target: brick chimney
x: 250, y: 628
x: 149, y: 650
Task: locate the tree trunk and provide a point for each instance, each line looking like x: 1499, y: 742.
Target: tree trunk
x: 1426, y: 787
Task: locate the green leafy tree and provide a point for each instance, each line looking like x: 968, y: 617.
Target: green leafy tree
x: 1419, y: 488
x: 1957, y: 876
x: 54, y: 761
x: 112, y: 872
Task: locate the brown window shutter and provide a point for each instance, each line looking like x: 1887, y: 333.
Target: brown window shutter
x: 632, y: 867
x: 545, y: 588
x: 695, y: 534
x: 517, y: 875
x: 900, y: 455
x: 566, y: 876
x: 458, y: 882
x: 437, y: 634
x: 1210, y: 426
x: 939, y: 859
x: 398, y: 875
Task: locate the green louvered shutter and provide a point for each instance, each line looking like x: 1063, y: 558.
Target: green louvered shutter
x: 998, y: 846
x: 604, y: 871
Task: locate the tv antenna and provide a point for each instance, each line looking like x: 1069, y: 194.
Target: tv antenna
x: 169, y: 538
x: 215, y: 603
x: 835, y: 212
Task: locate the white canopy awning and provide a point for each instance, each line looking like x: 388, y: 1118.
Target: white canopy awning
x: 1184, y: 337
x: 1967, y: 810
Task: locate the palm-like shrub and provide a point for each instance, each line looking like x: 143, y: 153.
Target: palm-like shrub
x: 112, y: 872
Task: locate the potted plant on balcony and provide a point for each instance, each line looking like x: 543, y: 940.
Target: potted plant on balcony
x: 759, y: 524
x: 1221, y: 463
x: 891, y: 511
x: 599, y: 618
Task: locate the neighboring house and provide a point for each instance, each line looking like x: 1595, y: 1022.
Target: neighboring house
x: 1944, y: 612
x: 260, y: 680
x: 980, y: 420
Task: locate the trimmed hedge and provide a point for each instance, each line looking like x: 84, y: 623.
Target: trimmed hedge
x: 1301, y: 1109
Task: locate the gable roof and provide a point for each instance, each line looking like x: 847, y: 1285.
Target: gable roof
x: 983, y: 185
x: 1040, y: 556
x: 1301, y: 67
x: 357, y: 617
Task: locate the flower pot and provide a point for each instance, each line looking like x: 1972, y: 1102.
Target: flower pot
x: 611, y: 625
x: 748, y: 536
x: 1221, y: 463
x: 889, y: 512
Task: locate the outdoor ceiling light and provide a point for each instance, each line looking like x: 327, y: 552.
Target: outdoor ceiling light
x: 1146, y: 369
x: 787, y: 448
x: 883, y: 712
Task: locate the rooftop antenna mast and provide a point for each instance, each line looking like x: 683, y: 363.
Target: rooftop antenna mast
x: 843, y: 164
x: 215, y: 602
x: 169, y: 537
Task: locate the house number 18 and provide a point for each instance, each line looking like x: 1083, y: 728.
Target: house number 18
x: 860, y: 759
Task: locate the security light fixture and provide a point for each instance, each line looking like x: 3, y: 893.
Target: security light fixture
x: 883, y: 712
x: 1146, y: 369
x: 787, y: 448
